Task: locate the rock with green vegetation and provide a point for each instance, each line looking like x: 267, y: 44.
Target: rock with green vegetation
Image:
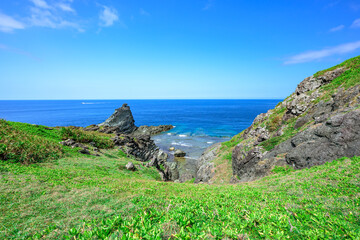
x: 135, y: 141
x: 318, y: 123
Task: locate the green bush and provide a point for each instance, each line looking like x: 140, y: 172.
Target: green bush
x: 20, y: 146
x: 79, y: 135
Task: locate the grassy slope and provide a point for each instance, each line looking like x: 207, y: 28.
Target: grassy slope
x: 95, y: 196
x: 350, y: 78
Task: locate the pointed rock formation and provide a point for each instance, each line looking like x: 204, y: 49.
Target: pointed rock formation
x: 122, y: 120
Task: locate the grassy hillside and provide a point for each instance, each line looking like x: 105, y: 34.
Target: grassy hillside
x: 27, y: 143
x: 87, y: 197
x: 348, y: 79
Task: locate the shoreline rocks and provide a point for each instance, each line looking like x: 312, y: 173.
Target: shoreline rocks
x: 122, y: 121
x: 135, y: 141
x: 179, y: 153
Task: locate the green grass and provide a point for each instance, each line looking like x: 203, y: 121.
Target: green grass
x: 17, y: 145
x: 100, y: 140
x: 351, y: 63
x: 27, y: 143
x: 350, y: 78
x: 289, y: 132
x: 89, y: 197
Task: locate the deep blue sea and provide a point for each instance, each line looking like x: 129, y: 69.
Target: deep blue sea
x: 199, y: 123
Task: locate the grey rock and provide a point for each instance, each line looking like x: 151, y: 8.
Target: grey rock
x: 130, y: 166
x: 84, y: 151
x: 174, y: 171
x: 179, y: 153
x: 162, y: 156
x: 205, y: 166
x: 122, y: 119
x: 244, y: 162
x: 152, y: 130
x: 312, y: 83
x: 141, y: 147
x: 338, y: 137
x: 68, y: 142
x: 301, y: 121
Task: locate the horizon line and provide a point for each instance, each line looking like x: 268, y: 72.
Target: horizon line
x: 145, y: 99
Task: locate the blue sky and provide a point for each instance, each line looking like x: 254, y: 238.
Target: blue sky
x: 170, y: 49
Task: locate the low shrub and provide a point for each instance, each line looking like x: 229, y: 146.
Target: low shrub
x: 20, y: 146
x: 274, y: 123
x: 79, y: 135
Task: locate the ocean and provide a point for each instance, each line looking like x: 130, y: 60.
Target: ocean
x: 198, y: 123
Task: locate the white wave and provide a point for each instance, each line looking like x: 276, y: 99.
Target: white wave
x: 209, y: 142
x: 169, y: 134
x: 181, y: 144
x: 92, y: 103
x: 183, y: 135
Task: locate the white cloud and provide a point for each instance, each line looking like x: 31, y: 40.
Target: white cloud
x: 320, y: 54
x: 40, y: 3
x: 9, y: 24
x: 51, y: 16
x: 108, y: 16
x: 356, y: 24
x: 338, y: 28
x: 65, y: 7
x: 144, y: 13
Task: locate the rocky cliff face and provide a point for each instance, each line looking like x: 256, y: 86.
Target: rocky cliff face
x: 205, y: 167
x: 319, y: 122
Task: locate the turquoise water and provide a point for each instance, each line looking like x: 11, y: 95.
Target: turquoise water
x: 199, y: 123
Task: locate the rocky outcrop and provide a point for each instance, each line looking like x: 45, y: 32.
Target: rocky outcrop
x: 136, y: 141
x: 312, y: 126
x: 152, y: 130
x: 122, y: 120
x: 337, y: 137
x: 179, y: 153
x: 206, y: 168
x: 312, y: 83
x: 141, y: 147
x: 83, y: 148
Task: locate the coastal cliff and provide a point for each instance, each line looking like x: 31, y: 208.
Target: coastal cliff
x: 318, y: 123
